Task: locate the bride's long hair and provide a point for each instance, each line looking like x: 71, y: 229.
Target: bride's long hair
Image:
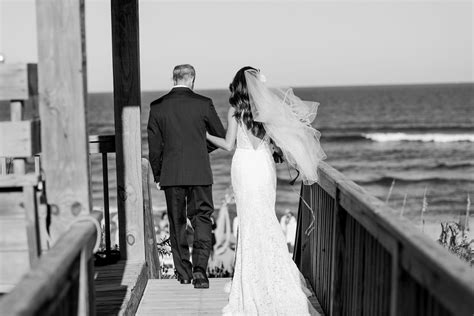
x: 240, y: 101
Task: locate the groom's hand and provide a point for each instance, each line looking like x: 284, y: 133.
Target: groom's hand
x: 158, y: 186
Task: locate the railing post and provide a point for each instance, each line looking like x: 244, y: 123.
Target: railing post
x: 395, y: 276
x: 105, y: 178
x: 338, y: 243
x: 302, y: 251
x: 151, y: 251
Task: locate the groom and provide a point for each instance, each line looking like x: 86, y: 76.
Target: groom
x: 179, y: 158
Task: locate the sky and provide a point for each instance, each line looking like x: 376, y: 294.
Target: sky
x: 294, y: 43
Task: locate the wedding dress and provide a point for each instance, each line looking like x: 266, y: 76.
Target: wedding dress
x: 266, y: 280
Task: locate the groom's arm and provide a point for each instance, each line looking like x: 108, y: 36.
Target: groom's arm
x: 155, y: 147
x: 214, y: 126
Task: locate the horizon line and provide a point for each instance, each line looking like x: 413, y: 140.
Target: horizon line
x: 321, y: 86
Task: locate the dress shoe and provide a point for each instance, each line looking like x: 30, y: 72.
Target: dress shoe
x: 200, y: 280
x: 183, y: 280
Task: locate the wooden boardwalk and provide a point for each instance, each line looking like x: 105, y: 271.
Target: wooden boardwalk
x: 119, y: 287
x: 168, y: 297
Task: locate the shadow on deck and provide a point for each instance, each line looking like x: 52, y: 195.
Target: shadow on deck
x: 168, y: 297
x: 119, y: 287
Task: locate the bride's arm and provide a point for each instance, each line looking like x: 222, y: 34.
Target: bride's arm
x: 228, y: 142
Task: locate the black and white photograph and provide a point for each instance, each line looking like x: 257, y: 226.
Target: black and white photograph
x: 237, y: 157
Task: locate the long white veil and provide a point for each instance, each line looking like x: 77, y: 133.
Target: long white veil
x: 287, y: 120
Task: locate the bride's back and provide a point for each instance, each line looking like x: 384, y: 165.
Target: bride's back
x: 246, y: 140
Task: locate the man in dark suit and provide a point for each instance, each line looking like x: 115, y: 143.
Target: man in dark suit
x: 179, y: 157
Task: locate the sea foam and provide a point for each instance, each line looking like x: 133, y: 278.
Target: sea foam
x: 430, y: 137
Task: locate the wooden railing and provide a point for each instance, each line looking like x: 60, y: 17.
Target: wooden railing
x: 104, y: 145
x: 62, y: 282
x: 363, y: 259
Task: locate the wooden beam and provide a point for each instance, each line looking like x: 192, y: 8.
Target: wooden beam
x: 62, y: 103
x: 151, y: 251
x: 18, y: 81
x: 126, y: 68
x: 19, y: 139
x: 19, y: 180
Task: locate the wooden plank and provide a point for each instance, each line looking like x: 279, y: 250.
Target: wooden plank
x: 13, y: 265
x: 127, y: 100
x: 20, y: 139
x: 62, y: 98
x: 17, y: 81
x: 329, y: 178
x: 168, y: 297
x: 19, y: 181
x: 119, y: 287
x: 355, y: 201
x: 151, y: 250
x: 13, y: 234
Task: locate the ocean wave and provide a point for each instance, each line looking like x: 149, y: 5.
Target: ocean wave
x: 454, y: 165
x: 387, y: 180
x: 430, y: 137
x: 345, y: 137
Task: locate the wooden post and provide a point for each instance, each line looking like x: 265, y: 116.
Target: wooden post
x: 151, y: 251
x: 338, y: 243
x: 16, y: 114
x: 62, y: 98
x: 3, y: 166
x: 126, y: 67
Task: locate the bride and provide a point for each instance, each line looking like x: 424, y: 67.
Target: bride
x: 260, y: 121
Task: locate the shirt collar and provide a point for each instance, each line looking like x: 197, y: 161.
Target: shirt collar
x: 181, y: 86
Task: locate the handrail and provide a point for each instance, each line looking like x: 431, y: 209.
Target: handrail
x: 363, y: 258
x: 62, y: 281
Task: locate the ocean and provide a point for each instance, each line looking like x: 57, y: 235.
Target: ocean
x: 421, y: 137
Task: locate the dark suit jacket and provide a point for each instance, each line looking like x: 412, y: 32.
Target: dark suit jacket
x: 178, y: 150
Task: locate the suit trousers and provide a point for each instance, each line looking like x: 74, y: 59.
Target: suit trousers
x: 195, y: 203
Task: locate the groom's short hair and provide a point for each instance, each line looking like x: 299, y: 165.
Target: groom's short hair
x: 183, y: 72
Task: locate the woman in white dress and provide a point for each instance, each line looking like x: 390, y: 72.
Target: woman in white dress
x: 266, y: 280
